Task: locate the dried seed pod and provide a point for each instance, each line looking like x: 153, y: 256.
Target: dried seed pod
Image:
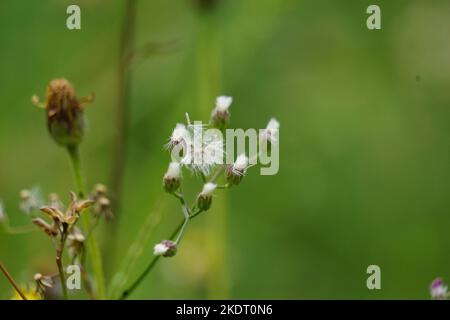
x: 44, y: 226
x: 65, y: 118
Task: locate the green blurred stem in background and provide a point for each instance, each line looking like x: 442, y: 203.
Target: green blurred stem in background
x: 209, y: 76
x: 92, y: 245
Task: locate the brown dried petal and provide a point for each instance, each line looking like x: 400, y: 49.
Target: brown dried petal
x: 44, y: 226
x: 84, y: 204
x: 53, y: 213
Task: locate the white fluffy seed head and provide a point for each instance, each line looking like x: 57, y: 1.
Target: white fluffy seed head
x: 208, y: 189
x: 223, y: 103
x: 174, y: 170
x: 271, y: 131
x: 241, y: 163
x: 178, y: 134
x: 273, y: 124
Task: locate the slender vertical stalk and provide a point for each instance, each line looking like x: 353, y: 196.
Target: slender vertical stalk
x: 59, y: 262
x: 11, y: 280
x: 92, y: 246
x: 122, y: 108
x: 122, y: 120
x: 209, y: 76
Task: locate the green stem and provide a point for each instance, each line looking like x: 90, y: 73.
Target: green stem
x: 149, y: 268
x: 92, y: 245
x: 59, y: 262
x: 18, y: 230
x: 155, y: 259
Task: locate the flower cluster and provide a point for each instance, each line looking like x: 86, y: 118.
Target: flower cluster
x: 203, y: 155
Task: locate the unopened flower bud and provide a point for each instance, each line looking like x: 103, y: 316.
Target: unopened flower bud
x: 204, y: 199
x: 65, y: 118
x: 172, y: 178
x: 220, y: 116
x: 236, y: 172
x: 438, y: 289
x: 165, y: 248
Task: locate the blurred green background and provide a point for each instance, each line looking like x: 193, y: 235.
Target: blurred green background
x: 364, y: 142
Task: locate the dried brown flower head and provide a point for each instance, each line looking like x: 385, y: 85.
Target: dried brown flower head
x: 62, y: 221
x: 65, y: 118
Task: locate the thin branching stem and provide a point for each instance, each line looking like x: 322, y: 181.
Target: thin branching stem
x: 11, y: 280
x: 59, y: 260
x: 155, y: 259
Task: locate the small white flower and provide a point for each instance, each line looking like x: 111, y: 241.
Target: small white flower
x: 273, y: 124
x: 208, y: 189
x: 240, y: 164
x: 165, y: 248
x: 204, y: 151
x: 223, y: 103
x: 159, y: 249
x: 220, y: 116
x: 438, y: 289
x: 174, y: 170
x: 179, y: 135
x: 204, y: 198
x: 270, y: 132
x: 172, y: 178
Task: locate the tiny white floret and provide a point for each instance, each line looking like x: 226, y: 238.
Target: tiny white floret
x: 240, y: 164
x: 174, y: 170
x: 208, y: 189
x: 223, y: 103
x: 160, y: 249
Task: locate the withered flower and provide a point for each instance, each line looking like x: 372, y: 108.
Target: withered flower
x: 76, y: 241
x: 65, y: 118
x: 102, y: 204
x: 50, y: 230
x: 66, y: 219
x: 43, y: 283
